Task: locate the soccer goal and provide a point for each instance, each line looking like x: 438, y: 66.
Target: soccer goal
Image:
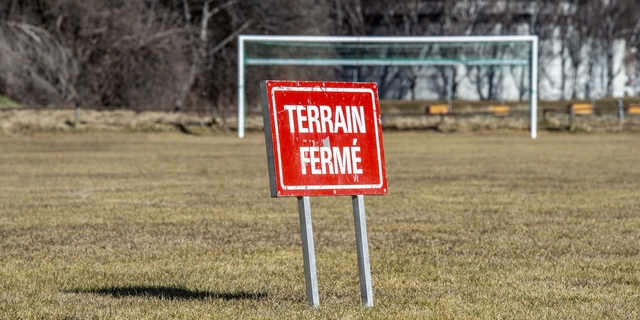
x: 478, y: 51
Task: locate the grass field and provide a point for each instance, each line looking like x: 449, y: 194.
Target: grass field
x: 164, y: 225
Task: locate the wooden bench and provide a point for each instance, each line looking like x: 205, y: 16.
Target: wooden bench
x: 581, y: 108
x: 499, y: 110
x: 438, y: 109
x: 633, y: 109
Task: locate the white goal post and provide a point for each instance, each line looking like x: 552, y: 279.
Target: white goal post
x: 307, y: 58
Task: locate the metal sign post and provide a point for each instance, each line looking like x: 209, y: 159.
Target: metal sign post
x: 308, y: 251
x: 325, y: 139
x: 362, y: 245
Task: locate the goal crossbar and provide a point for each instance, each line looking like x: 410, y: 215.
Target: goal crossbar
x: 378, y: 62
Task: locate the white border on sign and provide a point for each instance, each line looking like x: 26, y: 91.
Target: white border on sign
x: 325, y: 187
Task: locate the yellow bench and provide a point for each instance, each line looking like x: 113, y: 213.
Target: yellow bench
x: 581, y: 108
x: 499, y: 110
x: 438, y: 109
x: 634, y: 109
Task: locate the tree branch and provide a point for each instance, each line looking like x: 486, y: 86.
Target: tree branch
x: 230, y: 37
x: 208, y: 14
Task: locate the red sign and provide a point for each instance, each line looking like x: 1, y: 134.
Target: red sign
x: 323, y: 138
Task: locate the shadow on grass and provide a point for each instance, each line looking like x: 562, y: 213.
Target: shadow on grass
x: 171, y: 293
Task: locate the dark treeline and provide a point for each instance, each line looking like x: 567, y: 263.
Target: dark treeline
x: 181, y: 54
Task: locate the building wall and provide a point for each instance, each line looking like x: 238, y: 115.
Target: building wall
x: 430, y: 82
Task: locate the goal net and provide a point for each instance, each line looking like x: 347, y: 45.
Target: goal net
x: 477, y: 51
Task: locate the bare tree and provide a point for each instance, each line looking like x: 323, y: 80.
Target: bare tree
x: 182, y: 53
x: 128, y: 53
x: 160, y: 53
x: 468, y: 14
x: 202, y: 50
x: 614, y: 19
x: 35, y: 66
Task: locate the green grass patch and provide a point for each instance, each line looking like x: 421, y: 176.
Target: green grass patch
x: 7, y: 102
x: 164, y: 225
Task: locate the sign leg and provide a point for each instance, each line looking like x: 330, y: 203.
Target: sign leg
x: 359, y: 218
x: 308, y: 251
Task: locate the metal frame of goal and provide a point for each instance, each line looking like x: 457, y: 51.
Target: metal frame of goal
x: 317, y: 56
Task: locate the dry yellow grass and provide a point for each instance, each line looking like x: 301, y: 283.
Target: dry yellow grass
x: 29, y: 122
x: 164, y: 225
x: 16, y: 121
